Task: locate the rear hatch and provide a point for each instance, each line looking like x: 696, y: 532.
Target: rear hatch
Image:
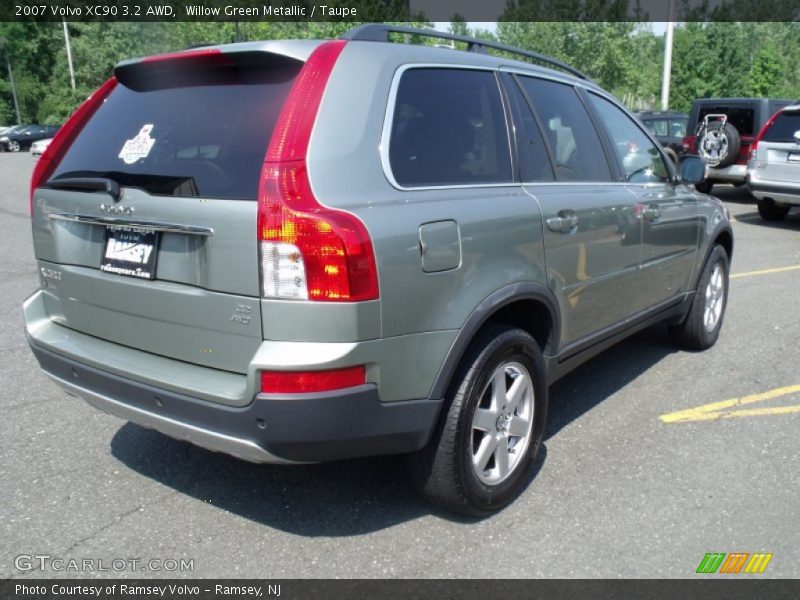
x: 146, y: 231
x: 778, y: 154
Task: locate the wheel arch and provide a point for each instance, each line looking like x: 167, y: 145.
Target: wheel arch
x: 725, y: 239
x: 722, y: 236
x: 529, y: 305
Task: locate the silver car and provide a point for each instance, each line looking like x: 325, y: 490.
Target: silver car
x: 773, y: 170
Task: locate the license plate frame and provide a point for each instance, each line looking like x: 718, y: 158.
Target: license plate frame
x: 130, y: 251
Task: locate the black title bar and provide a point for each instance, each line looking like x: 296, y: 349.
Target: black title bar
x: 400, y: 10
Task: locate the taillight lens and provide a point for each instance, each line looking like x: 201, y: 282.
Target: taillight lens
x: 308, y: 251
x: 690, y: 144
x: 761, y: 132
x: 303, y: 382
x: 753, y: 150
x: 63, y: 139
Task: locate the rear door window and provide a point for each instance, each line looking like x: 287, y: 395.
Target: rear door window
x: 573, y: 139
x: 203, y: 132
x: 534, y: 161
x: 449, y: 128
x: 785, y: 128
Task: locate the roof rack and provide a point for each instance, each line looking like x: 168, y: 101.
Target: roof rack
x: 379, y: 32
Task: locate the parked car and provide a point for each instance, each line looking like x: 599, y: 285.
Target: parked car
x: 723, y: 129
x: 368, y: 248
x: 37, y: 148
x: 9, y: 130
x: 668, y: 127
x: 21, y: 139
x: 773, y: 169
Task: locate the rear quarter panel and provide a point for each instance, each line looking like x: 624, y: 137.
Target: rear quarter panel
x: 500, y: 227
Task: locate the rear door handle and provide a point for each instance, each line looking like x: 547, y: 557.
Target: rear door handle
x: 565, y: 222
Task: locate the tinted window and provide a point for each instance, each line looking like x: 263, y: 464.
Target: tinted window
x: 741, y: 117
x: 573, y: 140
x: 677, y: 127
x: 640, y: 159
x: 204, y: 137
x: 657, y: 126
x: 534, y: 162
x: 783, y: 128
x: 449, y: 129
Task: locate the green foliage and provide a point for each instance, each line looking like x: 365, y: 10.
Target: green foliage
x: 709, y: 59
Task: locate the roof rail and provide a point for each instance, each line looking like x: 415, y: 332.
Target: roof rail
x: 379, y: 32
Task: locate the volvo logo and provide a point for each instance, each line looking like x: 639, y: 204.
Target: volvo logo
x: 117, y: 209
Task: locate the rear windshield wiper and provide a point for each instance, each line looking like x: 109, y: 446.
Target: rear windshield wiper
x: 103, y: 184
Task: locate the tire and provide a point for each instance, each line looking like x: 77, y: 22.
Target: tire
x: 445, y: 470
x: 700, y: 329
x: 704, y: 187
x: 719, y: 145
x: 13, y: 146
x: 770, y: 211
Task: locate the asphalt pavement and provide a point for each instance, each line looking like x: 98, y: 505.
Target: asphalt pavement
x: 620, y: 491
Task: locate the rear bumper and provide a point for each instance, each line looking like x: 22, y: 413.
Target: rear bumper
x: 225, y: 412
x: 782, y: 192
x: 732, y: 174
x: 271, y: 429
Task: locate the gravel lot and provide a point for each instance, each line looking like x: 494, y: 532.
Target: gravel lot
x: 620, y: 493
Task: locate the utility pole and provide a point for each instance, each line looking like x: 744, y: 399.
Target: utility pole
x: 69, y: 54
x: 667, y: 56
x: 4, y: 43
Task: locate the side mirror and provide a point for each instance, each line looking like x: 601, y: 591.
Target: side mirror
x: 691, y: 168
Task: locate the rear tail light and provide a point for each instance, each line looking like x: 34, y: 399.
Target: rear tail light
x: 761, y: 133
x: 63, y: 139
x: 308, y: 251
x: 690, y: 144
x: 303, y: 382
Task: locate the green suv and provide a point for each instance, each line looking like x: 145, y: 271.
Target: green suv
x: 301, y: 251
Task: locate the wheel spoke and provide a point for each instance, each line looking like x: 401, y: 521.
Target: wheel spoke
x: 501, y: 457
x: 498, y: 390
x: 485, y: 451
x: 485, y: 420
x: 517, y: 391
x: 518, y: 426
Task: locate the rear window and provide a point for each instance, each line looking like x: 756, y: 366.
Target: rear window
x: 741, y: 117
x: 784, y: 128
x: 202, y: 134
x: 677, y: 127
x: 657, y: 126
x: 449, y: 129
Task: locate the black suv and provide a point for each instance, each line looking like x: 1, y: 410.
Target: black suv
x: 668, y: 127
x: 722, y: 130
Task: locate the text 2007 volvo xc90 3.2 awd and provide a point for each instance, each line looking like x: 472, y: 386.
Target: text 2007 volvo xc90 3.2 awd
x: 301, y: 251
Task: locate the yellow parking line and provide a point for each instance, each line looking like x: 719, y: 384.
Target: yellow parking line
x: 720, y: 410
x: 765, y: 271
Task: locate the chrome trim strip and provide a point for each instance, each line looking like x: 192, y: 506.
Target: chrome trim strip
x: 211, y: 440
x: 153, y: 225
